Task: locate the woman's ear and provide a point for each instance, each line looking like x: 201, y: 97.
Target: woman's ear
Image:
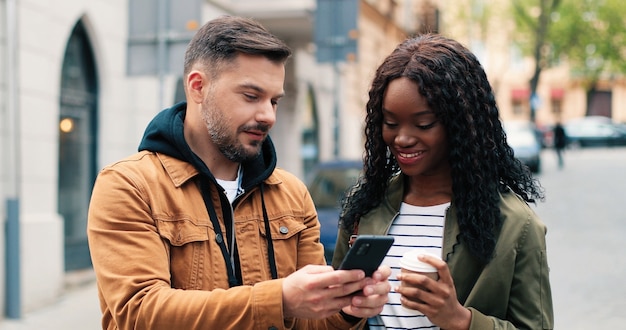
x: 195, y: 84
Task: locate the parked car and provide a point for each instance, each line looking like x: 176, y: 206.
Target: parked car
x: 327, y: 184
x: 522, y: 137
x: 595, y: 131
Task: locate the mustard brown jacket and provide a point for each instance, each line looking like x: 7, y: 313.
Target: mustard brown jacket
x: 512, y: 291
x: 156, y: 254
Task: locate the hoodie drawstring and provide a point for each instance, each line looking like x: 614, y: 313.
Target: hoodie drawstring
x: 268, y: 236
x: 230, y: 267
x: 219, y: 238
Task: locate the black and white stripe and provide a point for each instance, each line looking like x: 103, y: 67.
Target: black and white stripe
x: 414, y: 227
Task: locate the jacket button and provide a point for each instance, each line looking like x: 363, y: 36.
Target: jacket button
x: 283, y: 230
x: 219, y: 239
x: 272, y: 328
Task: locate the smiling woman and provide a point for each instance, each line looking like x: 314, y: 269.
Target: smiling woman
x: 439, y: 174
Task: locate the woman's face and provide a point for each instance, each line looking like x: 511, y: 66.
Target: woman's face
x: 412, y: 132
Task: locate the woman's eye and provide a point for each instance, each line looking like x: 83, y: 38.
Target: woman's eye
x: 389, y: 124
x: 427, y: 126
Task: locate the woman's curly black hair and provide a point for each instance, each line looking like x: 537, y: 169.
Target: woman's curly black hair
x: 456, y: 88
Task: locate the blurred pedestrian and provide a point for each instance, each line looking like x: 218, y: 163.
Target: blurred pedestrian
x: 560, y: 142
x: 200, y: 229
x: 440, y: 175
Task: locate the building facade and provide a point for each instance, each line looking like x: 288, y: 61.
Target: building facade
x: 75, y: 109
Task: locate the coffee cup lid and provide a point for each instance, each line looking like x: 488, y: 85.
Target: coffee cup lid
x: 411, y: 262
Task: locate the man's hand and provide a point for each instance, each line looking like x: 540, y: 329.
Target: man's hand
x: 370, y: 301
x: 316, y: 292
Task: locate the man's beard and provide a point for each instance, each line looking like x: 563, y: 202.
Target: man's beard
x: 227, y: 142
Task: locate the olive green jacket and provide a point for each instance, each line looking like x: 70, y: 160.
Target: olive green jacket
x: 512, y: 291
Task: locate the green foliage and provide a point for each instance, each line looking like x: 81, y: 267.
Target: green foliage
x: 534, y: 20
x: 589, y: 34
x: 526, y: 21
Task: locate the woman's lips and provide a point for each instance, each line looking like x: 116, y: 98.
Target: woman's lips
x: 409, y: 158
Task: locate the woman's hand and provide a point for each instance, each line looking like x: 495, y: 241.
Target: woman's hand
x: 436, y: 299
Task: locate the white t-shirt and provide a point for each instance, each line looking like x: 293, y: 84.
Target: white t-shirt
x: 231, y: 187
x: 414, y: 227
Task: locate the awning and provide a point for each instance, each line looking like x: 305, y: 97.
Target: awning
x: 520, y: 94
x: 557, y: 93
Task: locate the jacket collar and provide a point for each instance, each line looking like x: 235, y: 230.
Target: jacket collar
x: 180, y: 171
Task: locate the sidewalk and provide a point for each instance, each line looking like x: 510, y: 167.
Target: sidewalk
x: 77, y: 308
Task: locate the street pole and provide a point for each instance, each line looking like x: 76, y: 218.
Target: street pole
x: 336, y: 120
x: 337, y: 43
x: 162, y: 39
x: 11, y: 155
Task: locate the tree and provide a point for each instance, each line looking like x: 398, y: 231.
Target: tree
x: 590, y: 35
x: 533, y: 20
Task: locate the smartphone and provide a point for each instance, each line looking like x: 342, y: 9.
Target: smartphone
x: 367, y: 253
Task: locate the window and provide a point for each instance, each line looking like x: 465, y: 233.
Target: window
x: 77, y: 145
x: 158, y: 36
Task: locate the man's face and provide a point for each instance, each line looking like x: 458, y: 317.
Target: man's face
x: 239, y: 107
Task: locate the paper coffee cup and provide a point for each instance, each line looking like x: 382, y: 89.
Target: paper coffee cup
x: 411, y: 264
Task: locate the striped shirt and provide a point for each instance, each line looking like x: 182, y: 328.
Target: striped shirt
x: 414, y: 227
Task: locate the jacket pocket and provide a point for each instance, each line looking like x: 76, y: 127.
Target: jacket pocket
x: 292, y: 248
x: 188, y: 248
x: 182, y: 231
x: 283, y: 228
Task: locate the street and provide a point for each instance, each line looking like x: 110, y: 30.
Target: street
x: 584, y: 212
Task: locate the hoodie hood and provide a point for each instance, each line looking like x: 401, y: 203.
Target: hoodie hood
x: 165, y: 134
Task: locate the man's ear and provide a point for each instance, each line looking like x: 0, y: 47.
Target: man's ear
x: 195, y: 85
